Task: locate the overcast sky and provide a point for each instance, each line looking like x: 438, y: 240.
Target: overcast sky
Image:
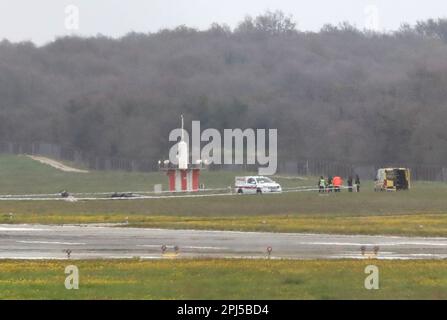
x: 42, y: 20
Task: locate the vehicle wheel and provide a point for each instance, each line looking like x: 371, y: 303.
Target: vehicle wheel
x: 258, y: 191
x: 239, y: 191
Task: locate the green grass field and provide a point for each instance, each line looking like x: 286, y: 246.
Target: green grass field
x: 22, y: 175
x: 223, y: 279
x: 421, y: 211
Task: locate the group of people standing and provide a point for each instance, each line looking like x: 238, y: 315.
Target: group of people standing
x: 335, y: 184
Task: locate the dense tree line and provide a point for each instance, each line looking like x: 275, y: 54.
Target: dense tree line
x: 341, y: 93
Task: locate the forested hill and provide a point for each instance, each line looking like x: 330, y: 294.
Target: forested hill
x: 340, y: 93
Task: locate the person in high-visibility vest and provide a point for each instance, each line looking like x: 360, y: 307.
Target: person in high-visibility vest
x: 338, y: 182
x: 321, y: 185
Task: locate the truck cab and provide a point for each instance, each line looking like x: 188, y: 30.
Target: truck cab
x: 256, y: 185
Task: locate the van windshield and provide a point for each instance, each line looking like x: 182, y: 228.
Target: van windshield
x: 264, y: 180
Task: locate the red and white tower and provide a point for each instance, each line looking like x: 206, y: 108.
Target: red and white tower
x: 184, y: 177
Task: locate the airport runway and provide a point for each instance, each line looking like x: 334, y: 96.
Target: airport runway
x: 92, y: 242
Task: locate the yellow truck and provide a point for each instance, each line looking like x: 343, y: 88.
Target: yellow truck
x: 392, y: 179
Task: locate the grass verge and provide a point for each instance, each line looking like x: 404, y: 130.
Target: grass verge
x: 405, y: 225
x: 223, y: 279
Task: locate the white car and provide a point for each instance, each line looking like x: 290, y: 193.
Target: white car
x: 256, y: 184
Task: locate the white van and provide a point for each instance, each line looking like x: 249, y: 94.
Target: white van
x: 256, y: 184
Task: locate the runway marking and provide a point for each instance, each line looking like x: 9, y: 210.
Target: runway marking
x: 184, y: 247
x: 205, y: 248
x: 31, y: 258
x: 54, y: 242
x: 22, y: 229
x: 375, y: 244
x: 427, y: 255
x: 149, y: 245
